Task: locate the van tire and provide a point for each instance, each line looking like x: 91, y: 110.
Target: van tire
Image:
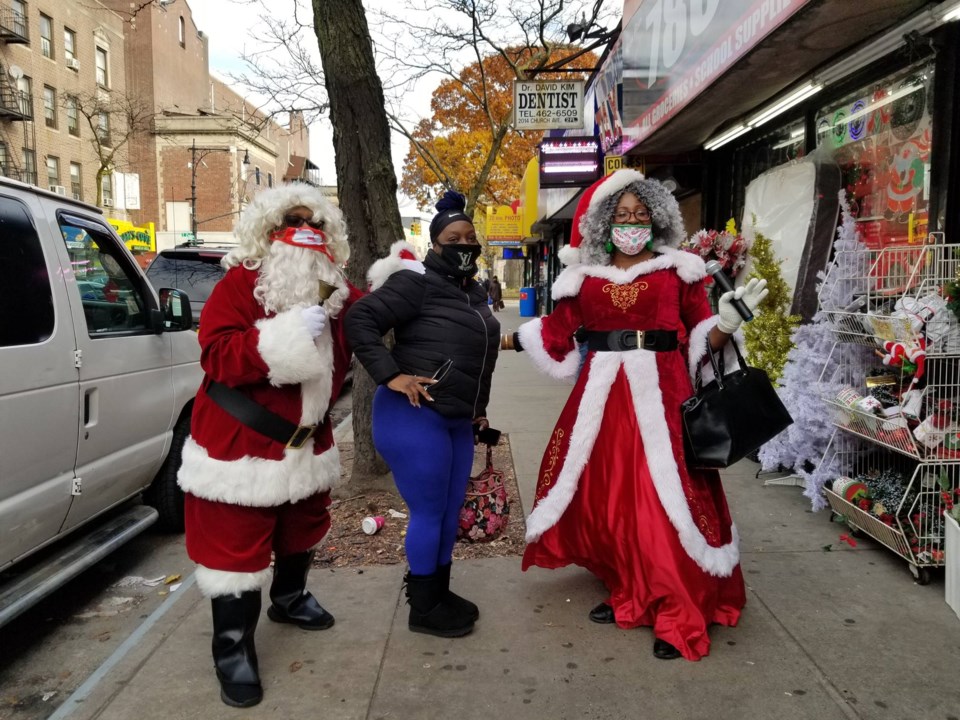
x: 164, y: 493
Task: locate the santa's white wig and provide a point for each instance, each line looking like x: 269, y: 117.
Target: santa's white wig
x: 265, y: 214
x: 595, y: 222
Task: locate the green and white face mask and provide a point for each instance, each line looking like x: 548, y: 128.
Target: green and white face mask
x: 631, y: 239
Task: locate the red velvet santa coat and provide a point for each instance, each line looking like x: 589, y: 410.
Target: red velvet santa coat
x: 274, y: 361
x: 614, y: 493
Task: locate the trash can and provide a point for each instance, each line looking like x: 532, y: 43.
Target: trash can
x: 528, y: 302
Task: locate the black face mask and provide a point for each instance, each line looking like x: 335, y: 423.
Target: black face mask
x: 461, y: 260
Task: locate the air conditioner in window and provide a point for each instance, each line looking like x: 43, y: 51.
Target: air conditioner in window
x: 58, y: 189
x: 76, y: 196
x: 73, y: 63
x: 107, y: 203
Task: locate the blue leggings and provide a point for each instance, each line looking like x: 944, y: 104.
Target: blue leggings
x: 431, y: 457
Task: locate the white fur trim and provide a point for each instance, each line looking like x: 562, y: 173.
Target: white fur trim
x: 689, y: 267
x: 569, y: 255
x: 642, y: 375
x: 603, y: 371
x: 257, y: 482
x: 531, y: 339
x: 287, y: 348
x: 218, y: 583
x: 385, y: 267
x: 315, y: 393
x: 697, y: 351
x: 614, y: 184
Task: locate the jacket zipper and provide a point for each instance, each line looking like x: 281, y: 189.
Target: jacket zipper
x: 485, y: 346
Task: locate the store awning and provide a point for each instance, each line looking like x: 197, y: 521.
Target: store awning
x: 808, y: 40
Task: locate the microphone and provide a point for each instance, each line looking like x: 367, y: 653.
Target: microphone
x: 716, y: 272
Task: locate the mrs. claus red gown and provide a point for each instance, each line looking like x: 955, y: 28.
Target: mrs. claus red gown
x: 614, y: 494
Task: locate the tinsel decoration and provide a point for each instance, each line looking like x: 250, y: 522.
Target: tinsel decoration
x: 768, y: 335
x: 887, y: 489
x: 951, y: 293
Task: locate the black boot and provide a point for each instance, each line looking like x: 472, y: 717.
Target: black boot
x: 234, y: 654
x: 290, y: 601
x: 460, y: 603
x: 428, y: 611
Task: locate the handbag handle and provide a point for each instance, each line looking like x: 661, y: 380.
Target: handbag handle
x: 718, y: 364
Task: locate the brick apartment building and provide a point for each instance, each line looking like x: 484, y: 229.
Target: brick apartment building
x: 194, y: 156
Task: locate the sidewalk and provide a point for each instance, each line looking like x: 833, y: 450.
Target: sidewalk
x: 824, y: 636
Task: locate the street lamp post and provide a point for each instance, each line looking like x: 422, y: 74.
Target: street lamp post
x: 197, y: 156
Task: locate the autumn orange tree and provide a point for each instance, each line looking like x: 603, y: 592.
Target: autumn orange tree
x: 468, y: 143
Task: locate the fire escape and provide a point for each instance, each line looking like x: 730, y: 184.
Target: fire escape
x: 15, y: 104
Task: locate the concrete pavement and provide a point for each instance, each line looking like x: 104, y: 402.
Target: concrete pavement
x: 825, y: 635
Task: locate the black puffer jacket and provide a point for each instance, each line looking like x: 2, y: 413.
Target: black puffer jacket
x: 434, y: 321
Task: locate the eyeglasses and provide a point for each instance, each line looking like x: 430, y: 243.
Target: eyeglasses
x: 295, y: 221
x: 622, y: 216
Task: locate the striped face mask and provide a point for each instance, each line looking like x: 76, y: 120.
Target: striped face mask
x: 631, y: 239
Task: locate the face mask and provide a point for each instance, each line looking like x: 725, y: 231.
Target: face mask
x: 305, y: 237
x: 631, y: 239
x: 460, y: 259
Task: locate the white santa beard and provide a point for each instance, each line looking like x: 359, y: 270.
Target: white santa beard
x: 290, y: 276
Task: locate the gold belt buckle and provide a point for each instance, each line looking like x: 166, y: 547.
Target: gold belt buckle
x: 300, y: 437
x: 640, y: 334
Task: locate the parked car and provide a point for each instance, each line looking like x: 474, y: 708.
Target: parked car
x: 193, y: 269
x: 97, y: 379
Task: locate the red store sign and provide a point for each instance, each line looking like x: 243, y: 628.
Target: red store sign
x: 674, y: 49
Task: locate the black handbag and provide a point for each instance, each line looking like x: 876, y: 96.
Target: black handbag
x: 731, y: 416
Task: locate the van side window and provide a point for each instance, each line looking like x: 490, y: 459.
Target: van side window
x: 112, y: 298
x: 26, y: 317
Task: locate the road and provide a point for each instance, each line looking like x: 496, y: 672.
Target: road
x: 49, y: 651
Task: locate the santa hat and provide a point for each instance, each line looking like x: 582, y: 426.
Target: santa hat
x: 665, y: 213
x: 402, y: 256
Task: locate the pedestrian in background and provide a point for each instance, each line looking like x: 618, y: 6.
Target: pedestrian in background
x: 496, y: 294
x: 432, y: 397
x: 259, y: 465
x: 614, y: 494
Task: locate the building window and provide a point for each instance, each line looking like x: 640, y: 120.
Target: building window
x: 269, y: 179
x: 106, y: 188
x: 46, y: 36
x: 73, y: 117
x: 256, y: 175
x: 103, y: 128
x: 69, y: 44
x: 53, y: 170
x: 183, y: 33
x: 29, y: 166
x: 25, y: 87
x: 3, y: 159
x: 19, y: 17
x: 103, y: 76
x: 49, y: 106
x: 76, y: 181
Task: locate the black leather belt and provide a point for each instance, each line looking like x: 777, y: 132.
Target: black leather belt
x: 256, y: 417
x: 622, y: 340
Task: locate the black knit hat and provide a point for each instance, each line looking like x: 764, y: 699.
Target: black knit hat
x: 449, y: 210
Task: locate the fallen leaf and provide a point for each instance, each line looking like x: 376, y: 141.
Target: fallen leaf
x: 295, y: 665
x: 170, y: 579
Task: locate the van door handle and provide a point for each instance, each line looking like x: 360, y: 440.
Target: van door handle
x: 91, y: 407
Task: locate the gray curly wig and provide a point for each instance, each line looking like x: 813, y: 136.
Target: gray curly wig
x: 265, y: 214
x: 664, y: 216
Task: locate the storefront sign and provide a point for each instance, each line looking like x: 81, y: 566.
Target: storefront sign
x: 137, y: 239
x: 504, y: 224
x: 547, y: 104
x: 673, y: 50
x: 569, y: 161
x: 608, y: 90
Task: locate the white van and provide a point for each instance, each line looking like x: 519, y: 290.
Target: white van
x: 97, y: 377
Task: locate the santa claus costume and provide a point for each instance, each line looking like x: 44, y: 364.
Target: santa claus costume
x: 260, y: 463
x: 614, y: 494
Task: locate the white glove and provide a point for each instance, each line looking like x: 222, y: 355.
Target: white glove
x: 315, y: 318
x: 752, y: 295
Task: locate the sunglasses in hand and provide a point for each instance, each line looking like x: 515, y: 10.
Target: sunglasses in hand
x: 295, y: 221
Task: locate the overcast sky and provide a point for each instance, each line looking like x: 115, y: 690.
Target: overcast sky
x: 228, y: 25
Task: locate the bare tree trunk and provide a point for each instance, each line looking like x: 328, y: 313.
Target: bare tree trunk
x: 366, y: 183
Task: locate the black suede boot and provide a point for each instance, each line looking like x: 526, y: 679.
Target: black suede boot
x: 234, y: 654
x: 290, y: 601
x: 460, y: 603
x: 429, y: 613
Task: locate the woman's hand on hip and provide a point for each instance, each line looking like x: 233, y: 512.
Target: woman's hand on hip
x: 413, y: 386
